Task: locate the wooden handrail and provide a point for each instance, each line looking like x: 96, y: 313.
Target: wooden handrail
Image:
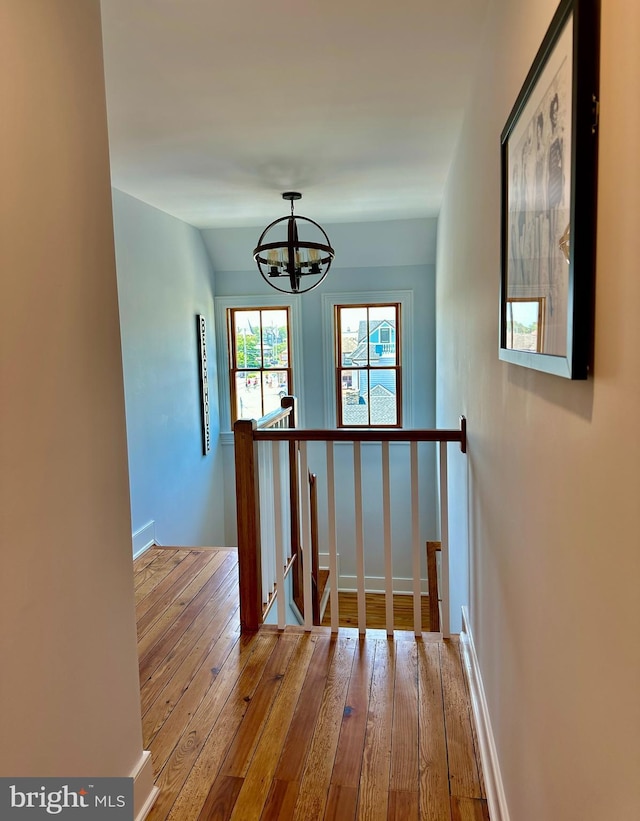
x: 366, y: 435
x: 270, y: 420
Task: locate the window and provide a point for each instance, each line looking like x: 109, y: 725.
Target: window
x: 368, y: 365
x: 259, y: 355
x: 525, y: 323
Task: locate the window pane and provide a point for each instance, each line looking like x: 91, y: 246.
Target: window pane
x: 383, y: 397
x: 368, y: 360
x: 382, y: 336
x: 524, y: 324
x: 352, y: 324
x: 355, y: 395
x: 248, y: 395
x: 275, y: 385
x: 247, y: 339
x: 274, y: 339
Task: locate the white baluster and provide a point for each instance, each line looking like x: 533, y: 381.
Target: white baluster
x: 415, y: 530
x: 444, y: 540
x: 266, y: 523
x: 277, y: 510
x: 305, y: 540
x: 357, y: 481
x: 388, y: 562
x: 331, y: 523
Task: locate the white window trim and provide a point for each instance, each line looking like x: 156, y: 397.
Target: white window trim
x: 405, y: 300
x: 222, y: 304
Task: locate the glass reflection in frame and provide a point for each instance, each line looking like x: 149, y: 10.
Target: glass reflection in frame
x: 539, y: 157
x: 525, y: 324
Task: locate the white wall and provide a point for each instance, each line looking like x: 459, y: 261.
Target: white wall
x: 69, y: 682
x: 164, y: 281
x: 552, y: 468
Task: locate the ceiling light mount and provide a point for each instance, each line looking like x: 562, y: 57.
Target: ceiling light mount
x: 297, y: 254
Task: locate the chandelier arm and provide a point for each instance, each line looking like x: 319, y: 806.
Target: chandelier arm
x: 289, y: 291
x: 292, y: 240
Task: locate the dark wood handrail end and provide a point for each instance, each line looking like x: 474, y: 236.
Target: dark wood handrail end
x: 290, y: 402
x: 463, y: 432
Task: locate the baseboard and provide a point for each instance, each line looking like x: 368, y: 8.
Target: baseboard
x: 143, y: 539
x: 324, y: 561
x: 376, y: 584
x: 496, y: 799
x: 144, y: 790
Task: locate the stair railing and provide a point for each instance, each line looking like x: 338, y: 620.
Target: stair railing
x: 249, y: 437
x: 265, y: 554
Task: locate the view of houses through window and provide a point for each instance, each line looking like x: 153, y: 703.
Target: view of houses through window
x: 260, y: 372
x: 368, y: 365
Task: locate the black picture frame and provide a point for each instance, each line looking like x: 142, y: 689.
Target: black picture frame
x: 549, y: 151
x: 201, y: 331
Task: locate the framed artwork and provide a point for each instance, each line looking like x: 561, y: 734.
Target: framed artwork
x: 201, y: 327
x: 548, y: 219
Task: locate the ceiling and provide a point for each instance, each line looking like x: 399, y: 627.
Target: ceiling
x: 215, y: 108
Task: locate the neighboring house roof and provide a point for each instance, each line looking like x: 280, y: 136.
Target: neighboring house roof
x: 380, y: 390
x: 359, y: 354
x: 349, y: 344
x: 375, y: 323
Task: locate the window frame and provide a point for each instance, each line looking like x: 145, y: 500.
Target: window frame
x: 234, y: 370
x: 254, y: 302
x: 340, y: 369
x: 404, y: 298
x: 509, y: 332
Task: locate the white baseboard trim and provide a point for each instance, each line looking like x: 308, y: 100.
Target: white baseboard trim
x: 143, y: 538
x: 376, y: 584
x: 496, y: 799
x: 324, y: 561
x: 144, y: 790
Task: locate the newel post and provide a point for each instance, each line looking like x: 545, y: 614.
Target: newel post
x: 248, y: 518
x: 290, y: 402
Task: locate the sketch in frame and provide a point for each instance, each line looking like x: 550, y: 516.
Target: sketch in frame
x: 538, y: 321
x: 201, y: 326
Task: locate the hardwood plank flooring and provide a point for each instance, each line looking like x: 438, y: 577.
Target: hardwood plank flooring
x: 294, y: 725
x: 376, y: 614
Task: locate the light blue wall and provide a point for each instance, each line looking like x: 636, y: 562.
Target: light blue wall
x: 413, y: 242
x: 164, y: 281
x: 386, y: 244
x: 420, y: 279
x: 371, y: 256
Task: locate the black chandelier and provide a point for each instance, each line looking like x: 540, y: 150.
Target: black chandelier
x: 292, y: 260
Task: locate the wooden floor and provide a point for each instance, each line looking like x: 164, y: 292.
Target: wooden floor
x: 376, y: 613
x: 294, y: 725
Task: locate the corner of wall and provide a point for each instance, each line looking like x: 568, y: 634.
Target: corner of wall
x: 496, y: 798
x: 143, y: 538
x: 144, y: 790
